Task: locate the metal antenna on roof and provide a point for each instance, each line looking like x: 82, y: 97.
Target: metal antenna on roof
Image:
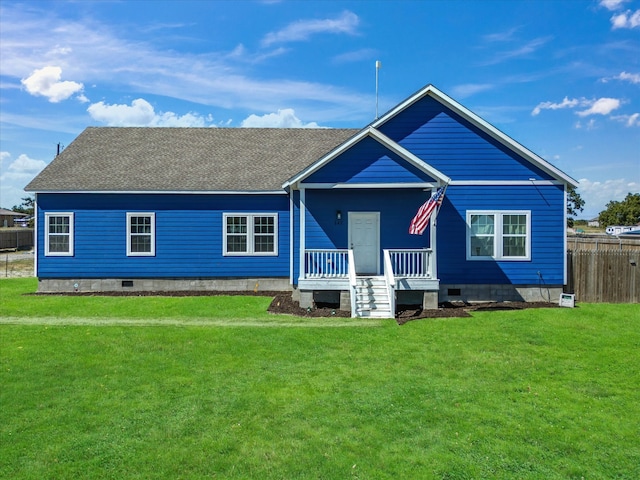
x: 378, y: 65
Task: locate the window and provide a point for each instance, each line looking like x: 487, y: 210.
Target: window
x: 250, y: 234
x: 141, y: 234
x: 498, y: 235
x: 58, y: 235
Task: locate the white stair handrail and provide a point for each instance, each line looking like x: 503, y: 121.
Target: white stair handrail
x: 390, y: 281
x: 352, y: 282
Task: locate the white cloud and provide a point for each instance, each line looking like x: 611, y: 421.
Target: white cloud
x: 355, y: 56
x: 46, y: 82
x: 627, y: 19
x: 590, y: 125
x: 524, y: 50
x: 142, y: 114
x: 25, y: 165
x: 597, y: 194
x: 15, y: 176
x: 285, y: 118
x: 566, y: 103
x: 628, y: 120
x: 602, y: 106
x: 302, y: 30
x: 612, y: 4
x: 624, y: 76
x: 468, y: 89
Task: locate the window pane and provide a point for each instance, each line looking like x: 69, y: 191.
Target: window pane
x: 58, y: 224
x: 140, y: 243
x: 481, y: 246
x: 58, y: 243
x: 236, y: 243
x: 514, y: 246
x: 140, y: 224
x: 482, y: 224
x: 514, y: 225
x: 236, y: 224
x: 264, y: 243
x: 263, y: 225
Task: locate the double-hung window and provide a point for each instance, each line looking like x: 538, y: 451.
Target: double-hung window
x: 58, y: 234
x: 141, y: 234
x: 250, y: 234
x: 498, y: 235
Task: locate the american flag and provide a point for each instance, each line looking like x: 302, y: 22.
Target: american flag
x: 421, y: 220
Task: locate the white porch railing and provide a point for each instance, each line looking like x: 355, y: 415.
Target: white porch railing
x: 411, y: 262
x: 334, y: 263
x: 323, y: 263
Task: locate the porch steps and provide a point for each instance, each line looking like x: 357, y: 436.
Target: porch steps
x: 372, y: 298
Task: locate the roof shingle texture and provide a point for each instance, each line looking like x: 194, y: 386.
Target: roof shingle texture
x: 185, y: 159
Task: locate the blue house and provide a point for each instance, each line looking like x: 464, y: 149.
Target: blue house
x: 323, y: 213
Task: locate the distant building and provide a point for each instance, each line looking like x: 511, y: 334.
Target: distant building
x: 9, y: 218
x: 594, y: 222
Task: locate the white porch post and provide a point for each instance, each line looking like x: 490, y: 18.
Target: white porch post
x: 291, y: 230
x: 433, y: 263
x: 303, y: 207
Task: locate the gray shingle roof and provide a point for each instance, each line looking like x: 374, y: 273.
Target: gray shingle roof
x: 185, y: 159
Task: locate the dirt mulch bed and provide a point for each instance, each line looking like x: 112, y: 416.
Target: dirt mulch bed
x: 284, y: 304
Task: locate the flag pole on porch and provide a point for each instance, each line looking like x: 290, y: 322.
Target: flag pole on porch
x: 421, y: 219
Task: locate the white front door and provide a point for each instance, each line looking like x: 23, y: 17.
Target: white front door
x: 364, y: 239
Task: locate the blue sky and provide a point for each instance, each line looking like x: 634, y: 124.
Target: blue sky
x: 560, y: 77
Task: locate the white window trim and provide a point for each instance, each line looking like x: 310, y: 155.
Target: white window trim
x: 48, y: 253
x: 152, y: 253
x: 498, y: 235
x: 250, y: 235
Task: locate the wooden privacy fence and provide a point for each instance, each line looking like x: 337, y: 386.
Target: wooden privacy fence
x: 602, y: 242
x: 16, y: 238
x: 604, y: 276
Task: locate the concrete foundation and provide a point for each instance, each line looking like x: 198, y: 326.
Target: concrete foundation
x: 309, y: 298
x: 499, y: 293
x: 64, y: 285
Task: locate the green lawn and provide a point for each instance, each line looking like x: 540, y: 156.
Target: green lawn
x: 507, y: 394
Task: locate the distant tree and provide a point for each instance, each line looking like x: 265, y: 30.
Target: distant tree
x: 26, y: 207
x: 626, y: 212
x: 575, y: 204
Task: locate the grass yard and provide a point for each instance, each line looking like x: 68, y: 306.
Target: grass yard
x: 143, y: 387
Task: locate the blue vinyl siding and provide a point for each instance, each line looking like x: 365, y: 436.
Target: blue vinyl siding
x: 189, y: 233
x: 546, y: 204
x: 368, y: 162
x: 446, y: 141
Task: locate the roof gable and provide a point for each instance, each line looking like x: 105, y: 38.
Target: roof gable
x: 368, y: 157
x: 449, y: 116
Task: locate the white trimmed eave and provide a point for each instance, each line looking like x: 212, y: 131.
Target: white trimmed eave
x: 383, y: 140
x: 483, y: 125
